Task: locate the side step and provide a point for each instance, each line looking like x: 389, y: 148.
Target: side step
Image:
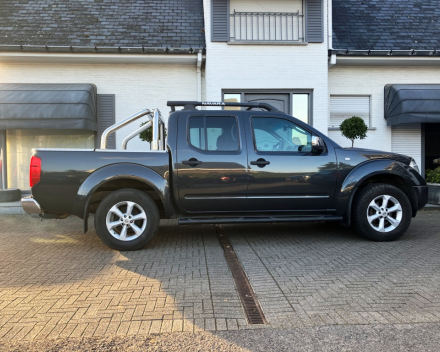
x: 245, y: 220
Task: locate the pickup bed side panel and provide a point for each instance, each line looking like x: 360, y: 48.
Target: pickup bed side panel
x: 118, y: 171
x: 64, y: 171
x: 366, y: 170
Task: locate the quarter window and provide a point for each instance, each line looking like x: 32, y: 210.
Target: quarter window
x: 280, y: 135
x: 213, y: 133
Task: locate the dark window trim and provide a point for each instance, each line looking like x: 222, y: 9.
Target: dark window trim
x: 292, y: 91
x: 228, y: 152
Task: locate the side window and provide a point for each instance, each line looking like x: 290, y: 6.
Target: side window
x: 213, y: 133
x: 280, y: 135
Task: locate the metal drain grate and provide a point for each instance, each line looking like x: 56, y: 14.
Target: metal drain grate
x: 252, y: 308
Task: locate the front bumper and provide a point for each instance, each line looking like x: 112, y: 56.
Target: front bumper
x: 31, y: 206
x: 421, y: 195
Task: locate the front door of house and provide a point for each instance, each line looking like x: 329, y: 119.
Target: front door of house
x: 279, y: 101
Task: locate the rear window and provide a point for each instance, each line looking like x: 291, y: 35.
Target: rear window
x: 213, y: 133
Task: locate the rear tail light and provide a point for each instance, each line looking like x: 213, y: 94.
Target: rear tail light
x: 35, y: 171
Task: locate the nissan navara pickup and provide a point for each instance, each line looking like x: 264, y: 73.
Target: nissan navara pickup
x: 252, y: 165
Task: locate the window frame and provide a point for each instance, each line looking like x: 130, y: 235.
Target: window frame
x: 206, y: 151
x: 275, y: 91
x: 370, y: 109
x: 290, y: 152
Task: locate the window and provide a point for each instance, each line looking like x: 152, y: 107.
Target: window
x: 300, y: 107
x: 344, y: 107
x: 292, y: 102
x: 280, y: 135
x: 213, y: 133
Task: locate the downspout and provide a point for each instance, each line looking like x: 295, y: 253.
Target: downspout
x: 330, y: 24
x: 199, y: 76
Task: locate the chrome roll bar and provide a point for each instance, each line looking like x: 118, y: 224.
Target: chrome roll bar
x: 156, y: 122
x: 135, y: 133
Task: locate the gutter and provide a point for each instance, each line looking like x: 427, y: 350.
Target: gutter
x: 384, y: 53
x: 98, y: 49
x: 383, y: 57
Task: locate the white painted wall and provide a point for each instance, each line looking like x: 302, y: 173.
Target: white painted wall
x: 371, y: 80
x: 268, y: 67
x: 136, y: 86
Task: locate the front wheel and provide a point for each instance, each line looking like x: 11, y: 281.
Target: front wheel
x: 126, y: 219
x: 381, y: 212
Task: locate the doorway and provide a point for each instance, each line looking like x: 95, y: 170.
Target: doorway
x: 432, y: 146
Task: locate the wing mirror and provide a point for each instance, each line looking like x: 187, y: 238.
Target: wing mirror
x: 318, y: 145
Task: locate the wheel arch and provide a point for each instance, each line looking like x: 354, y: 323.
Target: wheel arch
x: 117, y: 176
x: 378, y: 171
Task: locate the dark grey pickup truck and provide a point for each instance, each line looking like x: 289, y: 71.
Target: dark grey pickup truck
x: 225, y: 166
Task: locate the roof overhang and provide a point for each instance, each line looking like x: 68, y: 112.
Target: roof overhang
x: 104, y: 55
x: 384, y: 57
x: 48, y: 106
x: 412, y: 103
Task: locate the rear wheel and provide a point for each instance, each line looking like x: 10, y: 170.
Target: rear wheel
x: 126, y: 219
x: 381, y: 212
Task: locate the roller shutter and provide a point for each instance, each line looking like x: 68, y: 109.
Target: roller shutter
x: 344, y: 107
x: 407, y: 139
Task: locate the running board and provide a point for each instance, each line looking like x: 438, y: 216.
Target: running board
x: 245, y: 220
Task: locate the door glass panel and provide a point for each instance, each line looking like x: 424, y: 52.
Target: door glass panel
x: 280, y: 135
x: 197, y: 132
x: 220, y: 134
x: 300, y: 107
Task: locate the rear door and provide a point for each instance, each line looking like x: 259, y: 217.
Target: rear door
x: 283, y: 172
x: 212, y: 162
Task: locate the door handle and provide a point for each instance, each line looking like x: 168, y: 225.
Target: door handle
x: 260, y: 162
x: 191, y: 162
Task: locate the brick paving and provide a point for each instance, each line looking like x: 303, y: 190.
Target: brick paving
x: 56, y: 282
x: 323, y: 274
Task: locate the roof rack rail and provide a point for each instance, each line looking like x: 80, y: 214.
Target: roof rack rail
x: 191, y: 105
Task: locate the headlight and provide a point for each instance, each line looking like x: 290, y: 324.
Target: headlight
x: 413, y: 164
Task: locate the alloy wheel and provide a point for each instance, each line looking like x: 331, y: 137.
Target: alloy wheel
x: 384, y: 213
x: 126, y: 221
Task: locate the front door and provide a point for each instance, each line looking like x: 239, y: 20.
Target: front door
x: 211, y: 162
x: 284, y: 174
x: 278, y: 101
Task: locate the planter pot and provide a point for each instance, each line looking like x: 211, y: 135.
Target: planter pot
x: 434, y: 193
x: 10, y: 195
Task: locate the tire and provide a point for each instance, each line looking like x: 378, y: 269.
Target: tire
x: 130, y: 233
x: 10, y: 195
x: 372, y: 217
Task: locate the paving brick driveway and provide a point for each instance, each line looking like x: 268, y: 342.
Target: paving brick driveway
x: 57, y: 282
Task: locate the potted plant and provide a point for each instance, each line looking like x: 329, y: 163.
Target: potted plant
x: 353, y: 128
x: 433, y: 181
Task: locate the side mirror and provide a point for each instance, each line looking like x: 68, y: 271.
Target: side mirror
x: 318, y: 145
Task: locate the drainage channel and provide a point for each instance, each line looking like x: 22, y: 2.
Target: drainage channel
x: 252, y: 309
